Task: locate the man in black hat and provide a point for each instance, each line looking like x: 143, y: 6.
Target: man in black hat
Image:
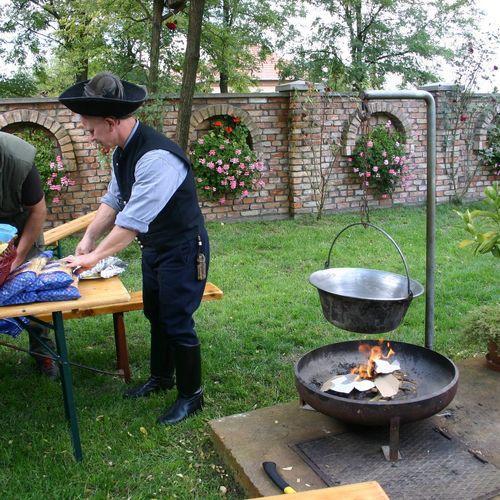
x: 22, y: 204
x: 152, y: 198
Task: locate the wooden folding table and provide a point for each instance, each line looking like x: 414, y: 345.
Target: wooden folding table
x: 97, y: 292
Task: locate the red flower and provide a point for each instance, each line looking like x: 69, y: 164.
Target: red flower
x: 172, y: 25
x: 236, y: 119
x: 218, y: 124
x: 229, y: 129
x: 463, y: 117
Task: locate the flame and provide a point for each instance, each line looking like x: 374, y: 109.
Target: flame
x: 372, y: 353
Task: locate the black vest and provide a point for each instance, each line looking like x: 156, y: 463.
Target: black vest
x: 181, y: 218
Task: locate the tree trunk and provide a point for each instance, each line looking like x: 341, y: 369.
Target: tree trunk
x: 223, y: 73
x: 191, y: 59
x: 154, y: 54
x: 83, y: 73
x: 223, y: 83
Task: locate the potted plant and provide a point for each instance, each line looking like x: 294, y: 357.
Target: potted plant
x: 483, y: 325
x: 484, y: 226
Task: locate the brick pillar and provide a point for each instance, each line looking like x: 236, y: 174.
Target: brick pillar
x: 299, y: 147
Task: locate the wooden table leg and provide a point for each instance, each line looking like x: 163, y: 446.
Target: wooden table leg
x: 67, y: 384
x: 121, y: 346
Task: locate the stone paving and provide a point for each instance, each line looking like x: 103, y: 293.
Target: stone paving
x: 246, y: 440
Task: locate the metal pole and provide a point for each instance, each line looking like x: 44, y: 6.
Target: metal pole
x: 430, y: 262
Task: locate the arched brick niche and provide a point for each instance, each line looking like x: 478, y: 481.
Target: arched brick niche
x: 483, y: 125
x: 20, y: 117
x: 200, y: 121
x: 379, y: 111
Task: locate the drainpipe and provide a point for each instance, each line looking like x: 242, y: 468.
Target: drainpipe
x: 430, y: 262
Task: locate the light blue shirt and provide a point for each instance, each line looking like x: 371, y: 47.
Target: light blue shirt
x: 158, y: 175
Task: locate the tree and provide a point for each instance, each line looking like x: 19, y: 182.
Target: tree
x: 237, y: 34
x: 75, y: 38
x: 191, y: 59
x: 70, y: 28
x: 364, y: 41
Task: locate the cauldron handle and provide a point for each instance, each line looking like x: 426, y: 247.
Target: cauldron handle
x: 364, y: 224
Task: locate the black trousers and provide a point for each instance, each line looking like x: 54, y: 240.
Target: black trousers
x: 171, y: 295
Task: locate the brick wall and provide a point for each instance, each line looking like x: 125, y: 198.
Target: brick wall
x: 292, y: 133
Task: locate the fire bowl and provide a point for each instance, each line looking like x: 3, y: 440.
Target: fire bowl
x: 364, y: 300
x: 436, y: 379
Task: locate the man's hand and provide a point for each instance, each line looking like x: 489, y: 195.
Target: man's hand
x: 85, y: 246
x: 16, y: 263
x: 86, y: 261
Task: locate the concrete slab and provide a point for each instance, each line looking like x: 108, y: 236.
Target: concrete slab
x: 246, y: 440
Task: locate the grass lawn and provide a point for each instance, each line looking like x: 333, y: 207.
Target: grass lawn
x: 269, y: 317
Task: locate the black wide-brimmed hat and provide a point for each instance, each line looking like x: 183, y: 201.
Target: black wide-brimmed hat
x: 104, y: 95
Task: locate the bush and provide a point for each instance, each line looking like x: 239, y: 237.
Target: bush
x: 379, y: 160
x: 483, y: 325
x: 224, y: 164
x: 48, y: 163
x: 490, y: 156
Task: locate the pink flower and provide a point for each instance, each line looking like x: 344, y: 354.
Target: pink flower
x: 222, y: 147
x: 242, y: 166
x: 386, y: 162
x: 237, y: 151
x: 261, y: 183
x: 55, y: 199
x: 388, y: 124
x: 392, y: 171
x: 232, y: 185
x: 211, y: 152
x: 241, y: 183
x: 201, y: 141
x: 223, y: 183
x: 234, y: 160
x: 396, y: 159
x: 211, y: 165
x: 219, y: 162
x: 384, y: 154
x: 202, y: 161
x: 375, y: 169
x: 220, y: 170
x: 58, y: 159
x: 244, y: 193
x: 349, y: 159
x: 369, y: 144
x: 361, y: 154
x: 222, y: 201
x: 384, y: 196
x: 368, y: 174
x: 355, y: 169
x: 226, y: 167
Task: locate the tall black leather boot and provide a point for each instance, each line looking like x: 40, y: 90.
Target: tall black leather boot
x: 189, y: 392
x: 162, y: 374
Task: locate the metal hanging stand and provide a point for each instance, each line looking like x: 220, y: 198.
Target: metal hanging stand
x: 430, y: 262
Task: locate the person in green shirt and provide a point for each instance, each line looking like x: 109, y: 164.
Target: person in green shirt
x: 22, y: 204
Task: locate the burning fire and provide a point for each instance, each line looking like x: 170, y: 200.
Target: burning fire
x: 373, y: 353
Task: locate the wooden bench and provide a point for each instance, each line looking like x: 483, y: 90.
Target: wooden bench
x: 118, y: 310
x: 52, y: 237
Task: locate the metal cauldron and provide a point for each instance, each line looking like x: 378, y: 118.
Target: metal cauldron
x: 364, y: 300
